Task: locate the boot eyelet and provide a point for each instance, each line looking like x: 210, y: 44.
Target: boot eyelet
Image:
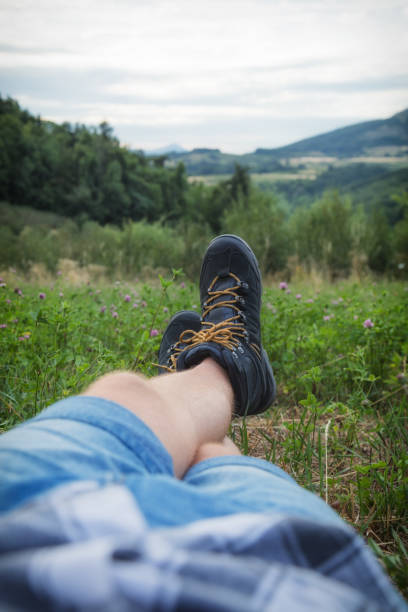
x: 241, y: 300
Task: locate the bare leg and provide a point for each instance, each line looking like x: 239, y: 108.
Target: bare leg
x: 185, y: 410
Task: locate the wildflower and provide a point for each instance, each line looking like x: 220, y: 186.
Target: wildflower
x: 355, y: 317
x: 283, y: 285
x: 194, y: 306
x: 368, y: 323
x: 326, y: 318
x: 298, y: 296
x: 135, y: 305
x: 3, y: 325
x: 288, y: 291
x: 8, y: 301
x: 335, y: 302
x: 400, y: 375
x: 153, y: 333
x: 127, y: 298
x: 183, y: 285
x: 15, y: 321
x: 103, y: 308
x: 61, y: 294
x: 59, y: 273
x: 165, y: 309
x: 143, y: 303
x: 309, y: 301
x: 41, y: 296
x: 3, y: 284
x: 115, y: 314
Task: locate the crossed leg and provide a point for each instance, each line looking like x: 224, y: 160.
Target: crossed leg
x: 189, y: 411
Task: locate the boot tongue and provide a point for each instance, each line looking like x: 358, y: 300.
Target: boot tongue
x: 219, y: 314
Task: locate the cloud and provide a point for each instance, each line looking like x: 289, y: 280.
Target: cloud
x: 216, y: 71
x: 23, y: 50
x: 385, y: 83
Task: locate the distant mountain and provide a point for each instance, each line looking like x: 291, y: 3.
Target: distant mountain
x: 171, y: 148
x: 359, y: 139
x: 370, y: 138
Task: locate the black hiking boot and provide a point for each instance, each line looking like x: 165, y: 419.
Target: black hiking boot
x: 172, y: 344
x: 230, y: 333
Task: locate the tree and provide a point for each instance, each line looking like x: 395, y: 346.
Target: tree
x: 378, y: 242
x: 323, y: 234
x: 401, y: 234
x: 261, y: 222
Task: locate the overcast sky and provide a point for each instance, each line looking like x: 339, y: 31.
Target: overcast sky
x: 231, y: 74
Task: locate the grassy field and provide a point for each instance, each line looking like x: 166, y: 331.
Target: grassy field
x: 265, y: 177
x: 340, y: 421
x: 306, y: 168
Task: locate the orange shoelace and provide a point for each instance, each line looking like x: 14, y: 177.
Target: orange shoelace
x: 228, y: 333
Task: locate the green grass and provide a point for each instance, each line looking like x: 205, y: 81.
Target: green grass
x: 339, y: 424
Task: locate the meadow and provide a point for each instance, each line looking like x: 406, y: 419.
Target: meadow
x: 339, y: 424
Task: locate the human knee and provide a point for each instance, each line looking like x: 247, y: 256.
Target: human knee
x: 116, y: 383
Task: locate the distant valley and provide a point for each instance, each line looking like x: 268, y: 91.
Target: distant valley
x: 367, y: 160
x: 382, y: 141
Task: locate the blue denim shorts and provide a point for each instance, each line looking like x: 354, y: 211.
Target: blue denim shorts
x: 89, y: 438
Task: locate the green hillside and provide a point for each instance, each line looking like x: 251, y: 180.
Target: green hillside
x: 213, y: 161
x: 358, y: 139
x: 383, y: 137
x: 372, y: 185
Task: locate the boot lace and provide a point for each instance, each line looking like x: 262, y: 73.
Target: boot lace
x: 229, y: 333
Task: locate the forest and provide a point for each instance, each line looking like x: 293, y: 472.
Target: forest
x: 72, y: 191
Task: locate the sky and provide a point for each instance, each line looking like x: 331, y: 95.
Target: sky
x: 227, y: 74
